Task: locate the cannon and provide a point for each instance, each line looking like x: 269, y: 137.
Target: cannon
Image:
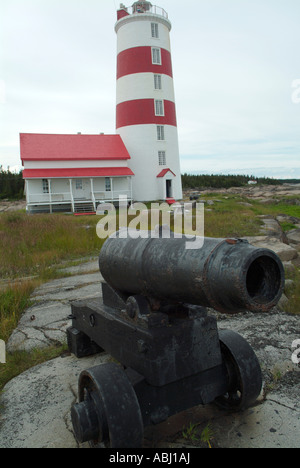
x: 153, y: 319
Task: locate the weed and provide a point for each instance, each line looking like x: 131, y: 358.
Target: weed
x: 207, y: 435
x: 190, y: 433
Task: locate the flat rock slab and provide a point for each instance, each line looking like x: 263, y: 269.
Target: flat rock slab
x: 46, y: 321
x: 285, y: 252
x: 36, y: 404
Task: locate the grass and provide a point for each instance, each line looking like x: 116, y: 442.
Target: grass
x: 29, y: 245
x: 220, y: 222
x: 192, y: 434
x: 33, y: 246
x: 13, y: 301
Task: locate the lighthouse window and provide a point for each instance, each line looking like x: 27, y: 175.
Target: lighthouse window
x: 156, y: 56
x: 157, y: 81
x: 154, y: 30
x: 160, y: 132
x: 159, y: 107
x: 162, y: 158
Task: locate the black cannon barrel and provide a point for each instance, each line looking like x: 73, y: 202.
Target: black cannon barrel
x: 229, y: 275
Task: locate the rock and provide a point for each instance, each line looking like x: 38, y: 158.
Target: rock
x: 285, y: 252
x: 283, y: 302
x: 245, y: 204
x: 294, y: 236
x: 35, y: 406
x: 272, y: 228
x: 51, y: 310
x: 289, y: 267
x: 289, y: 285
x: 283, y: 218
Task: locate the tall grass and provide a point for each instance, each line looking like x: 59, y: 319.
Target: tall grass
x: 229, y: 217
x: 30, y: 244
x: 13, y: 301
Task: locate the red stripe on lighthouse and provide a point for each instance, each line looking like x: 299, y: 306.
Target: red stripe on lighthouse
x: 139, y: 60
x: 141, y: 111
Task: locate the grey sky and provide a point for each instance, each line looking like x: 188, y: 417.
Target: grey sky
x: 234, y: 65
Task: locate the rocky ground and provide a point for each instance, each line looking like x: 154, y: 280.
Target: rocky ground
x: 35, y: 406
x: 6, y: 205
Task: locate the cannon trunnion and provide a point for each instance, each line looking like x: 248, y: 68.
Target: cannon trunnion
x: 152, y: 319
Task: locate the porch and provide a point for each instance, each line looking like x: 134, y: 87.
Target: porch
x: 76, y: 195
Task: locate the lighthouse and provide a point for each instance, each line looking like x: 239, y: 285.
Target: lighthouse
x: 145, y: 101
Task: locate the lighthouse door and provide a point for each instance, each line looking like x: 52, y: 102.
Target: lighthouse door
x: 168, y: 188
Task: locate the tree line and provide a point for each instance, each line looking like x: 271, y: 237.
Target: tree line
x: 190, y: 181
x: 11, y: 185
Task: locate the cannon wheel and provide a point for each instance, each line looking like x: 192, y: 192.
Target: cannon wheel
x: 112, y: 406
x: 243, y: 370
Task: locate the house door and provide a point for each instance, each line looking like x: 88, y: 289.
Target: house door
x: 79, y: 189
x: 168, y: 188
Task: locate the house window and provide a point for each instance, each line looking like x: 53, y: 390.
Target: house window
x: 156, y: 56
x: 154, y: 30
x: 107, y: 184
x: 159, y: 107
x: 45, y: 186
x: 162, y: 158
x: 78, y: 184
x: 160, y: 132
x: 157, y: 82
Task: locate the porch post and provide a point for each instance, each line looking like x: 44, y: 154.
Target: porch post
x: 71, y: 193
x: 112, y: 188
x: 50, y: 197
x: 130, y: 188
x: 27, y: 190
x: 93, y: 196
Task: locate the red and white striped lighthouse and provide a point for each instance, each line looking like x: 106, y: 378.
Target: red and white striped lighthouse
x: 146, y: 114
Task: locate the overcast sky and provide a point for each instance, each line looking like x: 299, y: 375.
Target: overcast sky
x: 236, y: 74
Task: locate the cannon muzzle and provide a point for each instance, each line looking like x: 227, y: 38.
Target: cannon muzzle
x: 229, y: 275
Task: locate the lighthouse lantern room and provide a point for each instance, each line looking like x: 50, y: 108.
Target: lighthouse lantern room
x: 145, y: 107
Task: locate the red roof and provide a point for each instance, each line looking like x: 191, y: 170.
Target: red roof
x: 77, y: 172
x: 164, y: 172
x: 46, y: 147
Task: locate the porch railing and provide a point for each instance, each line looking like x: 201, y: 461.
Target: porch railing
x: 66, y: 197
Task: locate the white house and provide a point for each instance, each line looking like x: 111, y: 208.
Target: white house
x: 74, y: 172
